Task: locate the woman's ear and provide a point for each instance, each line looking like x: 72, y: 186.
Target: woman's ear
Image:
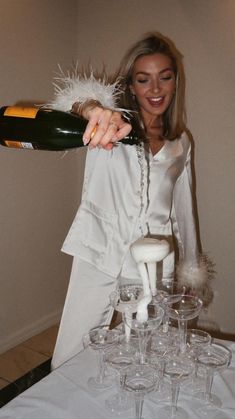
x: 132, y: 90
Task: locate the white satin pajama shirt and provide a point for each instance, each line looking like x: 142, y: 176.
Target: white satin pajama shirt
x: 127, y: 193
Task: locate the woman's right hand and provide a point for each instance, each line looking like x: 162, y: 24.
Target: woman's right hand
x: 105, y: 126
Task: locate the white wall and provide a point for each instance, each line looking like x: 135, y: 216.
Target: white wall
x: 39, y: 190
x: 204, y: 31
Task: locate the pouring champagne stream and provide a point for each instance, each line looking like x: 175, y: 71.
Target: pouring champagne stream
x: 147, y: 252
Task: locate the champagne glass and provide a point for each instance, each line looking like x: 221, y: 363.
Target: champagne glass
x: 160, y: 346
x: 182, y: 308
x: 147, y: 252
x: 213, y: 358
x: 118, y: 358
x: 170, y: 287
x: 167, y: 287
x: 143, y: 329
x: 196, y: 340
x: 100, y: 338
x: 140, y: 380
x: 177, y: 369
x: 125, y: 301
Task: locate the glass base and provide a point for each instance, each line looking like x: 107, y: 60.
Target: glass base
x: 210, y: 411
x: 212, y: 402
x: 142, y: 417
x: 163, y: 394
x: 118, y: 404
x: 167, y: 413
x: 194, y: 386
x: 94, y: 383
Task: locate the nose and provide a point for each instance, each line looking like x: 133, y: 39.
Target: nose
x: 155, y: 86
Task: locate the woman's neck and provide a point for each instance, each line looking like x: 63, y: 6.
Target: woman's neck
x: 154, y: 134
x: 155, y: 145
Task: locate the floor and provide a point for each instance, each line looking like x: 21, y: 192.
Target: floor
x: 27, y: 363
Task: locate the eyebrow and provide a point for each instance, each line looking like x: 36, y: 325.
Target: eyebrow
x: 160, y: 72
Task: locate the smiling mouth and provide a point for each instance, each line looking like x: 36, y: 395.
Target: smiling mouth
x: 155, y: 101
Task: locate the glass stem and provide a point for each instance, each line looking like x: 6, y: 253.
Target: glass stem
x: 165, y: 322
x: 209, y: 381
x: 175, y: 387
x: 161, y: 374
x: 142, y: 346
x: 182, y: 325
x: 195, y: 372
x: 127, y: 319
x: 139, y: 401
x: 101, y: 366
x: 120, y: 391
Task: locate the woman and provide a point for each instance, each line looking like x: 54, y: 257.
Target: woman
x: 129, y: 191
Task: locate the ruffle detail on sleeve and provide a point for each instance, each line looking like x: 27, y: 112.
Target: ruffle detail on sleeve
x: 196, y: 275
x: 197, y: 278
x: 75, y: 87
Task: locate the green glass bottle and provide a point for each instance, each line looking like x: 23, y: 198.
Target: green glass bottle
x: 44, y: 129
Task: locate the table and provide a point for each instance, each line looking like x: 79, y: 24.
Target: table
x: 63, y: 394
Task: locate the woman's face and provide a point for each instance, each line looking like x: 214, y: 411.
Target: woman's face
x: 153, y: 84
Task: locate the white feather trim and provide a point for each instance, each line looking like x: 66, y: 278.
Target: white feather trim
x: 195, y: 276
x: 74, y: 87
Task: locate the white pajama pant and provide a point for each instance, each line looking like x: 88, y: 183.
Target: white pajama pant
x: 86, y: 306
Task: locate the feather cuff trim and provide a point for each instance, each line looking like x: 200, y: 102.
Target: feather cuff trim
x: 73, y: 88
x: 196, y: 276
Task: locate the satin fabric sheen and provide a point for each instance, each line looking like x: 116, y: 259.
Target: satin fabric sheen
x: 125, y: 195
x: 110, y: 217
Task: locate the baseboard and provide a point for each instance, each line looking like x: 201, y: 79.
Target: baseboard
x: 30, y: 330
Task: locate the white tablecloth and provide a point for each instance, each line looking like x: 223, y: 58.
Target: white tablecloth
x: 63, y: 394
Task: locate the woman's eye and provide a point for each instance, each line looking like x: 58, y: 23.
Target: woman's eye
x: 142, y: 81
x: 170, y: 77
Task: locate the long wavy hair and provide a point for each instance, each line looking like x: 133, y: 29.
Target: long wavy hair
x: 174, y: 118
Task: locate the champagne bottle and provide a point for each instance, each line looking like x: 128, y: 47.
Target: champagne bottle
x: 44, y: 129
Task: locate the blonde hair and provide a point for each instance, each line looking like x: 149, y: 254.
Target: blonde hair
x: 174, y: 117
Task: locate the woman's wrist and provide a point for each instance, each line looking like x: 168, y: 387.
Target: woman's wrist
x: 83, y: 108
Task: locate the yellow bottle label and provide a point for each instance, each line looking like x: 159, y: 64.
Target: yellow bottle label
x: 21, y: 112
x: 18, y: 144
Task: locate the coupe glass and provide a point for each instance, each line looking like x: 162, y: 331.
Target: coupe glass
x: 182, y: 308
x: 160, y: 346
x: 177, y: 369
x: 144, y: 329
x: 165, y: 288
x: 100, y: 338
x: 140, y: 380
x: 212, y: 358
x: 125, y: 301
x: 119, y: 357
x: 196, y: 340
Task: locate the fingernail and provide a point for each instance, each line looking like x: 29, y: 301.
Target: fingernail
x: 85, y: 141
